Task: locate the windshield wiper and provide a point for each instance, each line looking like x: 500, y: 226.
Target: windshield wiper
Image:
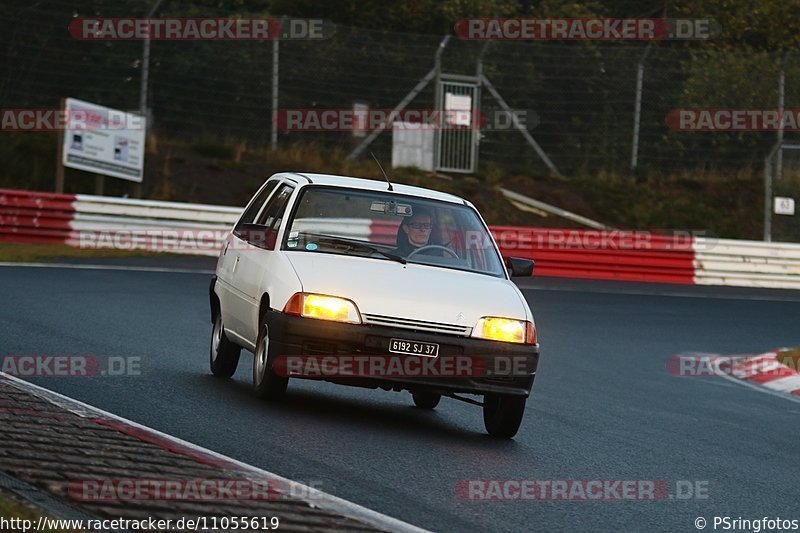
x: 357, y: 244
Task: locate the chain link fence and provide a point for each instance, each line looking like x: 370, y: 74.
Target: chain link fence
x: 581, y: 98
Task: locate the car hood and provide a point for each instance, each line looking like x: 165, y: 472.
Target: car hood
x: 411, y: 291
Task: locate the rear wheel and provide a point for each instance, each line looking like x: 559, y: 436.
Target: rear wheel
x: 426, y: 400
x: 502, y: 414
x: 266, y: 383
x: 224, y: 355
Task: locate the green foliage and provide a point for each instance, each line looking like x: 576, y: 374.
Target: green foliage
x: 29, y: 160
x: 765, y: 25
x: 420, y: 16
x: 214, y: 150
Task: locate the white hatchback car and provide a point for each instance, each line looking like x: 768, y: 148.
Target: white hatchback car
x: 373, y: 284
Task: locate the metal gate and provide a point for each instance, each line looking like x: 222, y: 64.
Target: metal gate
x: 457, y: 137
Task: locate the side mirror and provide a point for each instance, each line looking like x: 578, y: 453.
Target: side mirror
x: 519, y: 267
x: 259, y: 236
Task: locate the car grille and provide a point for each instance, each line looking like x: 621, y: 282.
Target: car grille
x: 418, y: 325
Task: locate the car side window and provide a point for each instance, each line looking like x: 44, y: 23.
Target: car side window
x: 252, y: 210
x: 273, y: 213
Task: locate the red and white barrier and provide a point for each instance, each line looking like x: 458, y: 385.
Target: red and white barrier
x: 766, y: 370
x: 88, y: 221
x: 104, y: 222
x: 747, y: 263
x: 601, y: 254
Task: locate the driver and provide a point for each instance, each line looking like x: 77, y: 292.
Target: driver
x: 417, y: 231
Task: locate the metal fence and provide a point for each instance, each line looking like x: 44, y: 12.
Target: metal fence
x: 599, y: 108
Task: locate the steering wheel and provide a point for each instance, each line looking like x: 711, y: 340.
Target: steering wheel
x: 433, y: 247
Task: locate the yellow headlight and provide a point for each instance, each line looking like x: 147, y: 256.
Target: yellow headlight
x: 500, y: 329
x: 329, y: 308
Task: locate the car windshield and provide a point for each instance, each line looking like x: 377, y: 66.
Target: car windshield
x: 392, y: 227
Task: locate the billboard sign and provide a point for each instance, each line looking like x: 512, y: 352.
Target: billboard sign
x: 104, y: 141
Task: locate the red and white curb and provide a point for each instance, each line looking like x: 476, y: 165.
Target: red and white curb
x: 764, y: 371
x: 313, y: 497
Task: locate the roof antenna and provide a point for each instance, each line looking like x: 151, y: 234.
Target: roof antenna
x: 384, y: 172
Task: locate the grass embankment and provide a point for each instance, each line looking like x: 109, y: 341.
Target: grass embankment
x: 47, y: 253
x: 227, y: 173
x: 790, y: 358
x: 13, y: 508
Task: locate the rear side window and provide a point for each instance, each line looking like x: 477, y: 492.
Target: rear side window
x: 255, y: 206
x: 273, y: 213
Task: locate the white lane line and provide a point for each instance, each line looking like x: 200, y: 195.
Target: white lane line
x: 785, y: 384
x: 313, y: 497
x: 124, y: 268
x: 704, y: 296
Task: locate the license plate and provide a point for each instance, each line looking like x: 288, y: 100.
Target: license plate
x: 427, y: 349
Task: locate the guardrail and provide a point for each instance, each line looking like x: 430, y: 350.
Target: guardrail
x: 101, y: 221
x: 747, y: 263
x: 594, y: 254
x: 98, y: 221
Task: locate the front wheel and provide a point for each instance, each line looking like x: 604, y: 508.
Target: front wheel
x: 502, y: 414
x: 224, y: 355
x: 426, y: 400
x: 267, y: 384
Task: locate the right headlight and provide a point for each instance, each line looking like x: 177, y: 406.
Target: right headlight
x: 324, y: 307
x: 505, y: 330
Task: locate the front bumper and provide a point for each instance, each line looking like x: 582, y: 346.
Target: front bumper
x: 488, y: 366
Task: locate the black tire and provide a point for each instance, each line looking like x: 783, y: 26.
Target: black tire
x: 223, y: 354
x: 267, y: 385
x: 502, y: 414
x: 426, y: 400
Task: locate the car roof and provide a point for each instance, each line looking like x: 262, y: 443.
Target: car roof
x: 377, y: 185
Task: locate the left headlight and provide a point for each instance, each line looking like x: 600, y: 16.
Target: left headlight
x: 323, y: 307
x: 505, y: 330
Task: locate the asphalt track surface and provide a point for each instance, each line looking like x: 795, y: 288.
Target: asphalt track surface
x: 603, y: 406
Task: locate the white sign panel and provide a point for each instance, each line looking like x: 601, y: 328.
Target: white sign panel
x: 784, y: 205
x: 458, y: 109
x: 104, y: 141
x: 412, y: 145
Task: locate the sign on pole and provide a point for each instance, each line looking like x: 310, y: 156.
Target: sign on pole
x: 784, y: 205
x: 104, y: 141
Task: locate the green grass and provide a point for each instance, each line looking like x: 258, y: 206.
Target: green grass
x: 790, y: 358
x: 45, y: 253
x: 13, y: 509
x: 10, y: 507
